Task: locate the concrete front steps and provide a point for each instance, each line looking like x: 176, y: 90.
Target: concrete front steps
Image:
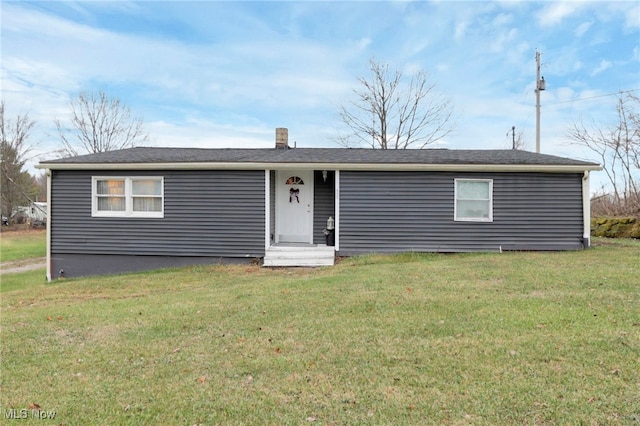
x: 292, y: 255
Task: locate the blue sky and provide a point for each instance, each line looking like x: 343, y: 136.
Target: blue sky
x: 226, y: 74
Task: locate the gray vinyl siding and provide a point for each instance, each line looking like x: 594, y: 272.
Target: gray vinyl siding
x: 323, y: 204
x: 218, y: 214
x: 414, y: 211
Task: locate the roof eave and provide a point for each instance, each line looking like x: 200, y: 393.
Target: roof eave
x: 325, y: 166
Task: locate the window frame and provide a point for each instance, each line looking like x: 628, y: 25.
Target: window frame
x: 128, y: 196
x: 456, y: 199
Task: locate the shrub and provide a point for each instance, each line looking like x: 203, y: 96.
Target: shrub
x: 615, y: 227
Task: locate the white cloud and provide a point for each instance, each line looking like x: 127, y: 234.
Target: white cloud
x: 604, y: 65
x: 582, y: 28
x: 363, y: 43
x: 502, y: 19
x: 461, y: 30
x: 633, y: 16
x: 554, y: 13
x: 503, y: 41
x: 442, y: 67
x: 563, y: 94
x: 208, y: 134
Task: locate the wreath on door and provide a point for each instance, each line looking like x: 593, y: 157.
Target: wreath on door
x: 294, y: 192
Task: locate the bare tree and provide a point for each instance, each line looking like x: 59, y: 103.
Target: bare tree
x: 40, y: 186
x: 99, y: 124
x: 386, y: 113
x: 633, y: 118
x: 617, y: 146
x: 16, y: 184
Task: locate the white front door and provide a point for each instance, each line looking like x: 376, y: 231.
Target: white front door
x: 294, y: 206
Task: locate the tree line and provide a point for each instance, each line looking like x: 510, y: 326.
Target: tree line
x: 98, y: 123
x: 617, y: 146
x: 386, y: 110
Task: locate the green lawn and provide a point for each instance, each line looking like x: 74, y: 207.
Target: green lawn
x: 22, y: 245
x: 508, y: 339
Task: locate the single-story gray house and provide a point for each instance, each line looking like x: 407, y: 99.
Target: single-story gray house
x: 144, y: 208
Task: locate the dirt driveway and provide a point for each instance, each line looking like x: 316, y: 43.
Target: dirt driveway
x: 22, y: 265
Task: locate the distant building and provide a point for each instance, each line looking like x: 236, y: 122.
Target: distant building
x: 35, y: 212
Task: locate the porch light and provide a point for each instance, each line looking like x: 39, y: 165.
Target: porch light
x: 324, y: 175
x: 331, y: 223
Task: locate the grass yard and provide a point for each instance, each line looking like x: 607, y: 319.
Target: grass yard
x: 22, y: 244
x: 509, y: 339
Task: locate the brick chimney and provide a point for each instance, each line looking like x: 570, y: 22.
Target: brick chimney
x: 282, y: 137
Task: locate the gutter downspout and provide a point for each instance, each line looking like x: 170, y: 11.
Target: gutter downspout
x: 586, y: 211
x: 336, y: 231
x: 49, y: 172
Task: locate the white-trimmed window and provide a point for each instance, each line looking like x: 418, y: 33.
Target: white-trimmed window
x: 127, y: 196
x: 473, y: 200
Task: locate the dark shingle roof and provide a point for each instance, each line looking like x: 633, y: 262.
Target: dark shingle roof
x: 319, y: 155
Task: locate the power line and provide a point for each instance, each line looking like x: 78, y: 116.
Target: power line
x: 594, y: 97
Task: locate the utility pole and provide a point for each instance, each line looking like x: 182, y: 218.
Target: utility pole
x: 540, y: 86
